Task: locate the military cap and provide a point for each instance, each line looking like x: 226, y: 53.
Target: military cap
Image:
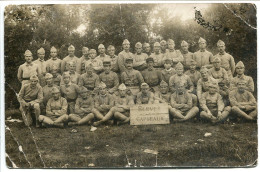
x: 107, y: 60
x: 48, y: 76
x: 41, y: 50
x: 92, y: 51
x: 85, y: 48
x: 167, y: 59
x: 126, y: 41
x: 66, y: 74
x: 55, y: 90
x: 163, y: 42
x: 53, y: 48
x: 138, y: 45
x: 220, y: 43
x: 146, y: 44
x: 203, y: 69
x: 71, y: 47
x: 129, y: 59
x: 240, y: 64
x: 83, y: 90
x: 102, y: 85
x: 34, y: 77
x: 149, y: 59
x: 216, y: 59
x: 183, y: 43
x: 110, y: 47
x: 28, y: 52
x: 163, y: 83
x: 101, y: 46
x: 193, y: 62
x: 156, y: 44
x: 122, y: 87
x: 201, y: 40
x: 144, y: 85
x: 170, y: 41
x: 179, y: 65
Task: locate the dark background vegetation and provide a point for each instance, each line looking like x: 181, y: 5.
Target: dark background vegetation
x: 34, y: 26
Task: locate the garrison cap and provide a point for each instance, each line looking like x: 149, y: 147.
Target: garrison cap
x: 84, y: 48
x: 149, y: 59
x: 53, y: 48
x: 179, y: 65
x: 41, y: 50
x: 66, y: 74
x: 201, y: 40
x: 48, y: 76
x: 240, y: 64
x: 144, y: 85
x: 92, y: 51
x: 71, y: 47
x: 102, y: 85
x: 146, y: 44
x: 163, y: 42
x: 28, y: 52
x: 170, y: 41
x: 216, y: 59
x: 163, y: 83
x: 184, y: 43
x: 83, y: 90
x: 107, y: 60
x: 34, y: 77
x: 122, y: 87
x: 55, y: 90
x: 126, y: 41
x: 156, y: 44
x: 220, y: 43
x: 101, y: 46
x: 138, y: 45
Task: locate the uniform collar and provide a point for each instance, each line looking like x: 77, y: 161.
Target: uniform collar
x: 168, y: 70
x: 54, y: 58
x: 27, y: 64
x: 222, y: 53
x: 41, y: 60
x: 241, y: 77
x: 203, y: 50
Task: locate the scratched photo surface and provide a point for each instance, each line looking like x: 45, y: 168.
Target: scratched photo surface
x: 130, y: 85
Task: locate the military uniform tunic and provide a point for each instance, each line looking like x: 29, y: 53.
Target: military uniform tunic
x: 25, y: 71
x: 145, y: 99
x: 89, y: 81
x: 114, y: 64
x: 166, y: 74
x: 47, y: 93
x: 59, y: 107
x: 237, y: 98
x: 74, y: 78
x: 29, y: 94
x: 158, y: 60
x: 227, y: 62
x: 220, y: 75
x: 53, y: 62
x: 176, y: 80
x: 184, y: 98
x: 203, y: 86
x: 248, y: 80
x: 121, y: 60
x: 87, y: 104
x: 111, y: 80
x: 140, y: 61
x: 175, y: 55
x: 203, y: 58
x: 193, y: 76
x: 213, y: 102
x: 96, y: 63
x: 152, y: 77
x: 104, y: 103
x: 82, y: 62
x: 70, y: 92
x: 132, y: 78
x: 187, y: 56
x: 65, y: 63
x: 163, y: 98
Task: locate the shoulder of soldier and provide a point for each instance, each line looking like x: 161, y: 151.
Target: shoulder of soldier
x: 233, y: 92
x: 136, y: 71
x: 62, y: 99
x: 208, y: 52
x: 65, y: 58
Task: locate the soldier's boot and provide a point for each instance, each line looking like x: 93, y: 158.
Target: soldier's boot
x: 224, y: 114
x: 208, y: 117
x: 86, y: 119
x: 241, y: 113
x: 122, y: 118
x: 175, y: 113
x: 109, y: 115
x: 191, y: 113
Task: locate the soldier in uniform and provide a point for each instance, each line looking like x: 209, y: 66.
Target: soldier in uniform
x: 193, y: 74
x: 123, y: 55
x: 168, y: 71
x: 109, y: 77
x: 56, y: 110
x: 240, y: 69
x: 30, y: 97
x: 147, y: 49
x: 157, y: 56
x: 28, y: 69
x: 131, y: 77
x: 203, y: 57
x: 212, y: 105
x: 56, y: 76
x: 43, y: 66
x: 70, y: 91
x: 227, y: 61
x: 182, y: 108
x: 114, y: 58
x: 175, y: 55
x: 90, y: 80
x: 103, y: 102
x: 70, y: 58
x: 164, y: 49
x: 74, y: 76
x: 83, y: 59
x: 97, y: 64
x: 53, y: 61
x: 121, y: 110
x: 243, y: 102
x: 219, y: 73
x: 145, y: 96
x: 139, y: 58
x: 163, y: 95
x: 83, y: 109
x: 188, y: 56
x: 102, y: 52
x: 152, y: 76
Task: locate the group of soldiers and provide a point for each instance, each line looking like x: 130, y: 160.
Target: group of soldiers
x: 101, y: 89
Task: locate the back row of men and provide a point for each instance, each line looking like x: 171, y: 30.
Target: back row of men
x: 143, y: 71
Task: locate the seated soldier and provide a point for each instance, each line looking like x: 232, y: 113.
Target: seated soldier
x: 103, y: 102
x: 30, y: 97
x: 240, y: 69
x: 139, y: 58
x: 243, y: 102
x: 152, y: 76
x: 219, y: 73
x: 89, y: 80
x: 130, y: 77
x: 56, y: 110
x: 145, y: 96
x: 193, y: 74
x: 56, y: 76
x: 168, y: 71
x: 163, y: 95
x: 212, y: 105
x: 97, y: 64
x: 181, y: 105
x: 109, y: 77
x: 74, y: 76
x: 70, y: 91
x: 121, y: 110
x: 83, y: 108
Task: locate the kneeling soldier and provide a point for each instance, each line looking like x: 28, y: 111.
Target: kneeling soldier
x: 83, y: 107
x: 145, y: 96
x: 56, y: 110
x: 243, y: 102
x: 213, y: 108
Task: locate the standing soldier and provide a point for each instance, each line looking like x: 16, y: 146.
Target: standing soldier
x: 163, y: 95
x: 121, y: 110
x: 53, y: 61
x: 163, y: 44
x: 97, y: 64
x: 188, y: 56
x: 139, y: 58
x: 70, y: 58
x: 212, y: 105
x: 193, y: 74
x: 83, y: 59
x: 157, y: 56
x: 114, y: 58
x: 74, y: 76
x: 203, y: 57
x: 175, y: 55
x: 240, y: 69
x: 109, y: 77
x: 28, y: 69
x: 83, y: 109
x: 147, y: 49
x: 30, y: 97
x: 89, y: 80
x: 243, y: 102
x: 227, y: 61
x: 145, y: 96
x: 56, y: 110
x: 102, y: 52
x: 168, y: 71
x: 42, y: 64
x: 152, y: 76
x: 131, y: 77
x: 219, y: 73
x: 123, y: 55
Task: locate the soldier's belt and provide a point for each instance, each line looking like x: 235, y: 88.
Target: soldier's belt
x: 25, y: 78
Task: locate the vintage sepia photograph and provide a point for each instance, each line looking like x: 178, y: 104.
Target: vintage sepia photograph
x: 130, y: 85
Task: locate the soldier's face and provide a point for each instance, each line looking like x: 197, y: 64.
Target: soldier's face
x: 103, y: 91
x: 221, y: 48
x: 184, y: 48
x: 34, y: 82
x: 240, y: 70
x: 71, y: 52
x: 56, y: 96
x: 164, y: 89
x: 41, y: 55
x: 163, y: 47
x: 171, y: 46
x: 89, y: 70
x: 147, y: 49
x: 54, y: 72
x: 167, y: 65
x: 138, y: 50
x: 28, y: 58
x: 92, y: 55
x: 204, y: 74
x: 241, y: 86
x: 49, y: 81
x: 122, y: 92
x: 192, y: 67
x: 150, y: 64
x: 216, y: 65
x: 85, y: 53
x: 101, y: 50
x: 66, y: 79
x: 107, y: 68
x: 72, y: 67
x: 145, y: 90
x: 179, y: 71
x: 111, y: 51
x: 202, y: 45
x: 126, y: 46
x: 53, y: 53
x: 156, y: 49
x: 129, y: 64
x: 212, y: 90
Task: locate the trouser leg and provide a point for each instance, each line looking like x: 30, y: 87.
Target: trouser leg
x: 176, y: 113
x: 62, y: 119
x: 86, y: 119
x: 122, y: 117
x: 192, y: 113
x: 46, y: 120
x: 241, y: 113
x: 224, y: 114
x: 97, y: 114
x: 74, y: 117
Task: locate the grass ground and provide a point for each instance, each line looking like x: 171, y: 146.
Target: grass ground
x: 178, y: 144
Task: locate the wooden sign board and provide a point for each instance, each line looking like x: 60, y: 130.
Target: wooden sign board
x: 149, y: 114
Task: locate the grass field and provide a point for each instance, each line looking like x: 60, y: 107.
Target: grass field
x: 178, y: 144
